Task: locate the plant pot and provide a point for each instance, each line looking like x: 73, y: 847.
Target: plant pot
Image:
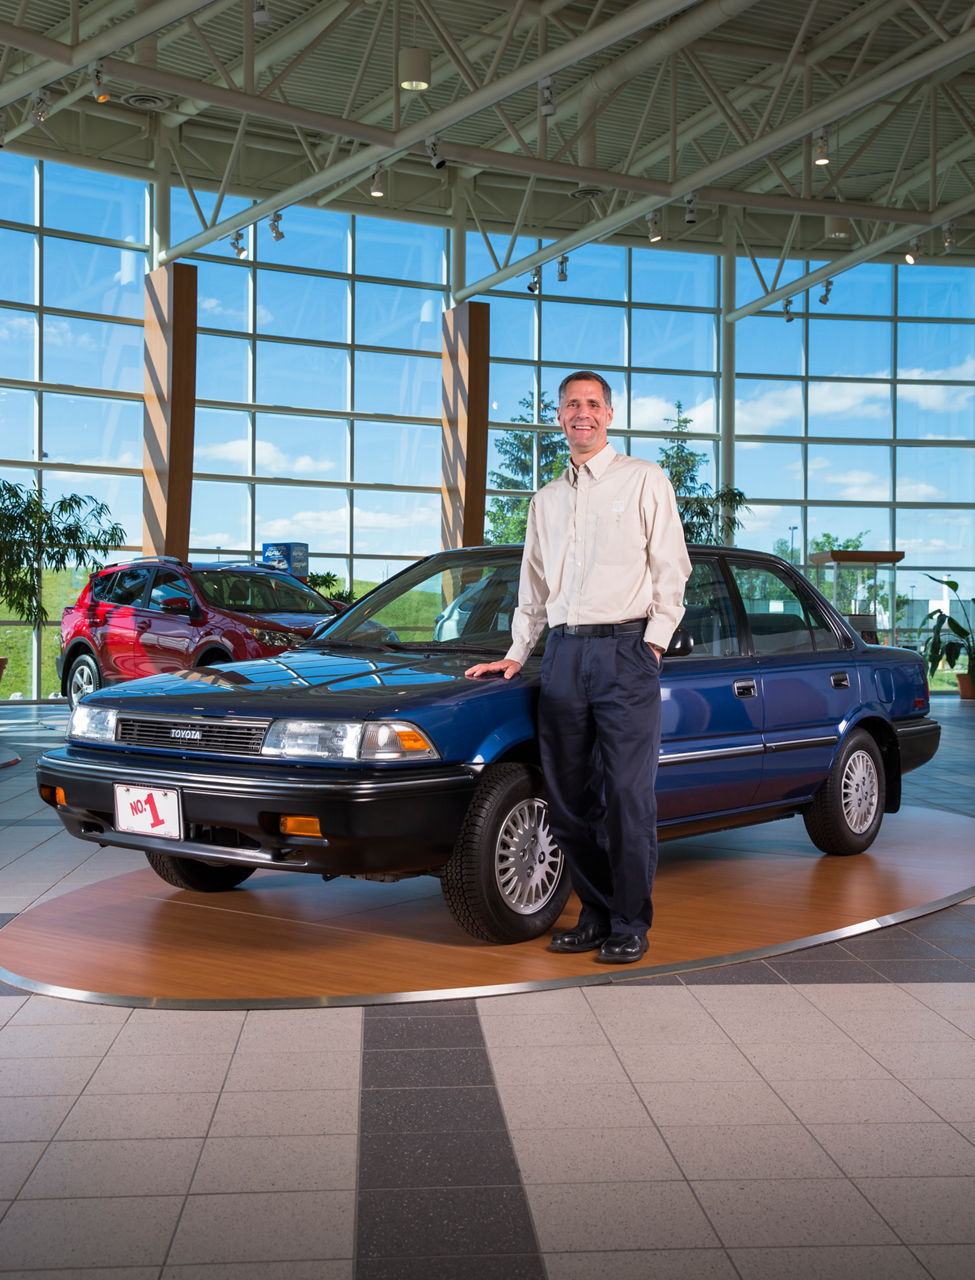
x: 966, y: 684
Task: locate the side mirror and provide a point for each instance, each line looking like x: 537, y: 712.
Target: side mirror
x: 680, y: 645
x: 177, y: 604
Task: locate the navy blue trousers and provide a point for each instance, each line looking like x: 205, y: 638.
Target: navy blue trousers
x: 599, y: 736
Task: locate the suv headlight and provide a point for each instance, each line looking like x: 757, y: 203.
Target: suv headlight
x: 348, y: 740
x: 92, y: 724
x: 275, y: 638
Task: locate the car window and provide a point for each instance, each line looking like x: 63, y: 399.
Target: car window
x: 781, y: 619
x: 128, y: 586
x: 168, y: 584
x: 259, y: 593
x: 101, y: 587
x: 707, y: 613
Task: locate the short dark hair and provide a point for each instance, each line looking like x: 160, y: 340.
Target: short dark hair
x: 587, y: 375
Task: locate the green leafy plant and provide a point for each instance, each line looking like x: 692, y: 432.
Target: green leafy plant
x: 327, y: 584
x: 34, y: 535
x: 962, y: 637
x: 707, y: 514
x: 508, y: 516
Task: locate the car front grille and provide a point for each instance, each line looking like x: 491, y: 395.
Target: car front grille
x: 219, y: 737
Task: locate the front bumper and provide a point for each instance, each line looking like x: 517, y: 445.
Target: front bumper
x: 373, y: 821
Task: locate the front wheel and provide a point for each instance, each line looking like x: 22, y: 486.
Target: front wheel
x: 84, y: 677
x: 848, y: 808
x: 506, y: 879
x: 203, y: 877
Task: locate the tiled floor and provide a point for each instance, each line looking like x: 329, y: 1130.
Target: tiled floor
x: 810, y: 1116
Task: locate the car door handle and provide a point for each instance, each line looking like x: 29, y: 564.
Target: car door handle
x: 142, y: 626
x: 839, y: 679
x: 745, y: 689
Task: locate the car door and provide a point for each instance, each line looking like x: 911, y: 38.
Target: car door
x: 809, y: 682
x: 711, y: 748
x: 118, y: 620
x: 164, y: 639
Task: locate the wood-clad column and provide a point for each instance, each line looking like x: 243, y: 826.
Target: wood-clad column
x: 466, y: 331
x: 170, y: 402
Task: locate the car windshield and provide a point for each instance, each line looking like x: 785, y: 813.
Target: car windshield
x: 450, y: 601
x: 245, y: 592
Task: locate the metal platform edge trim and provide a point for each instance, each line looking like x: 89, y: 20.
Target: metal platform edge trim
x: 503, y: 989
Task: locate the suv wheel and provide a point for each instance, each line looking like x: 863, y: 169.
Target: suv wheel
x: 83, y: 677
x: 506, y: 879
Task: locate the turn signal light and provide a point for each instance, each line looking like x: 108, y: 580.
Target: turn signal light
x: 293, y: 824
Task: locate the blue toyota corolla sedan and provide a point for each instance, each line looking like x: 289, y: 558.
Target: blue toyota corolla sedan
x: 367, y: 752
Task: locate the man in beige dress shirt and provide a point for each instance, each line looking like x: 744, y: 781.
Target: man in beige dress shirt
x: 605, y: 566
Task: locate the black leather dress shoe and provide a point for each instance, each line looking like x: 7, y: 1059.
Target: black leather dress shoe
x: 623, y: 948
x: 584, y: 937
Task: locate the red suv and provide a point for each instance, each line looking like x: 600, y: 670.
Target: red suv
x: 159, y: 614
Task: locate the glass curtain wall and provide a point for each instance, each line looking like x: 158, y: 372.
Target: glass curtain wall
x: 319, y: 389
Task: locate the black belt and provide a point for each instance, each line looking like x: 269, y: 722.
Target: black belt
x: 603, y: 628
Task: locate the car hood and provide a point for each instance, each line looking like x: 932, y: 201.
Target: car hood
x: 352, y: 682
x: 302, y: 623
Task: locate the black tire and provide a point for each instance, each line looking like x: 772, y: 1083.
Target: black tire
x: 203, y: 877
x: 506, y: 879
x: 214, y: 658
x: 848, y: 808
x: 84, y: 677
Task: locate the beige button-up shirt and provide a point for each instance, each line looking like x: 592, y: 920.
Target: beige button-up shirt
x: 604, y: 544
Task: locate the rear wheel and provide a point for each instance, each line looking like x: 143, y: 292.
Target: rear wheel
x: 204, y: 877
x: 506, y: 879
x: 84, y: 677
x: 848, y: 808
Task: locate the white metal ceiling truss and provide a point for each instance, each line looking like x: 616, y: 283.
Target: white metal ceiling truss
x: 559, y: 119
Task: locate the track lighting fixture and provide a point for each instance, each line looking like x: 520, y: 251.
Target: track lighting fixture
x: 787, y: 310
x: 274, y: 222
x: 913, y: 253
x: 546, y: 90
x: 377, y: 188
x: 433, y: 151
x: 40, y: 106
x: 949, y: 236
x: 98, y: 90
x: 690, y: 208
x: 827, y: 290
x: 821, y: 144
x: 262, y: 13
x: 414, y: 69
x: 237, y: 244
x: 653, y: 227
x: 535, y: 283
x: 563, y: 268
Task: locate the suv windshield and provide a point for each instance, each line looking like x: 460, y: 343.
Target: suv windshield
x: 438, y: 604
x: 245, y: 592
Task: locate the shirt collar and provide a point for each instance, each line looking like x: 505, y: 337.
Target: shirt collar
x: 597, y: 466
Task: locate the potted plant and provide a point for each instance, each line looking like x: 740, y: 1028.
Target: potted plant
x: 36, y: 535
x: 960, y: 641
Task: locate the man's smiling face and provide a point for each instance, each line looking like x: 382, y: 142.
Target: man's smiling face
x: 584, y: 417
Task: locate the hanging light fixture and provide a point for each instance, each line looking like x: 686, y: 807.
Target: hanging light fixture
x: 913, y: 253
x: 787, y: 310
x: 949, y: 236
x: 262, y: 13
x: 237, y: 244
x: 546, y: 93
x: 690, y: 208
x: 653, y: 227
x: 274, y: 222
x: 40, y: 106
x: 98, y: 90
x: 414, y: 69
x: 563, y: 268
x: 377, y: 188
x: 821, y: 143
x: 433, y: 151
x: 827, y: 290
x: 535, y: 283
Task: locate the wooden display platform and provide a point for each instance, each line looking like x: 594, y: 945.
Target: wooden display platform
x: 286, y: 939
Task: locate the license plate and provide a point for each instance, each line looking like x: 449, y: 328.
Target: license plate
x: 148, y: 811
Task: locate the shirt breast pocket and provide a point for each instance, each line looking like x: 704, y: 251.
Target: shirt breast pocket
x: 620, y: 540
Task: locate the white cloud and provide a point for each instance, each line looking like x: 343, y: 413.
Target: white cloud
x: 848, y: 399
x: 270, y: 459
x: 773, y: 410
x: 648, y: 413
x: 918, y: 491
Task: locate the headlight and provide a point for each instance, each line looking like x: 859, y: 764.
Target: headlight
x: 92, y: 724
x: 275, y: 639
x: 348, y: 740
